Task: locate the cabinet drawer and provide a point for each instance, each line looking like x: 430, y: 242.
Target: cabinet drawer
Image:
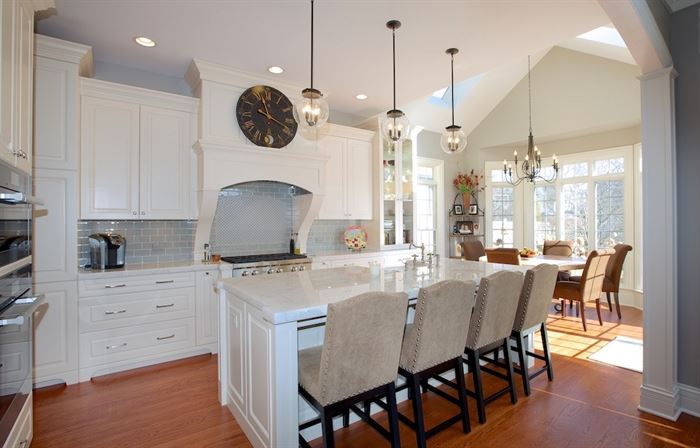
x: 121, y: 285
x: 133, y: 343
x: 115, y: 311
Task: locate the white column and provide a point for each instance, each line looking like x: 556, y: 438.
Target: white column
x: 659, y: 391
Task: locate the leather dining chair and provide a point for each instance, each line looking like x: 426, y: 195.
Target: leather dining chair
x: 472, y: 250
x: 613, y: 275
x: 589, y: 288
x: 564, y: 248
x: 503, y: 255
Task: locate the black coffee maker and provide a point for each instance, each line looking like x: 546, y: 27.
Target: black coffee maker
x: 107, y: 251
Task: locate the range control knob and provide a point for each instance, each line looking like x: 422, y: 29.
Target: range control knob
x: 279, y: 270
x: 254, y: 273
x: 302, y: 268
x: 294, y: 268
x: 244, y: 274
x: 270, y: 271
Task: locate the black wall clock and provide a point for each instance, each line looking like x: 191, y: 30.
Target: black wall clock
x: 265, y: 117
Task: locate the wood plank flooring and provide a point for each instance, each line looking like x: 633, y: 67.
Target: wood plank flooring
x: 174, y: 405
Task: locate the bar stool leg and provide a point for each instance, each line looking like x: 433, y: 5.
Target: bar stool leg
x: 327, y: 429
x: 509, y: 369
x: 545, y: 348
x: 346, y: 418
x: 462, y: 394
x: 393, y: 416
x: 473, y: 359
x: 522, y: 360
x: 417, y: 402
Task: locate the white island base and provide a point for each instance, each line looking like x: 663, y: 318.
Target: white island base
x: 265, y: 321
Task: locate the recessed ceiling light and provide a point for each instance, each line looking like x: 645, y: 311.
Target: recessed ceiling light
x: 145, y: 42
x: 276, y: 70
x: 361, y: 96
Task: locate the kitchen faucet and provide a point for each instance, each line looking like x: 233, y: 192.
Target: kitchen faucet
x: 422, y: 250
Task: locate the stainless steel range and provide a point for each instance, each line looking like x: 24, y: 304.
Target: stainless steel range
x: 245, y: 265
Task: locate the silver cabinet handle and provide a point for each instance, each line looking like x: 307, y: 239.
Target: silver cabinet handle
x: 110, y: 347
x: 162, y: 282
x: 165, y: 306
x: 115, y: 312
x: 121, y: 285
x: 165, y: 337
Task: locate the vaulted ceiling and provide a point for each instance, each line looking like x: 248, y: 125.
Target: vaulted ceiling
x: 353, y: 46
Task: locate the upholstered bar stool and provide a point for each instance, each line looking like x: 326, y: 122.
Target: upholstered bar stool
x: 503, y: 255
x: 490, y: 328
x: 433, y: 345
x: 533, y: 308
x: 589, y: 288
x: 358, y: 361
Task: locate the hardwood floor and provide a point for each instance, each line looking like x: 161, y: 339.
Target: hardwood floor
x: 174, y: 405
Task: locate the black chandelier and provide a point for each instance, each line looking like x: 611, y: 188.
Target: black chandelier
x: 531, y: 167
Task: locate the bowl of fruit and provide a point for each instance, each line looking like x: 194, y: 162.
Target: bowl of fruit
x: 526, y: 252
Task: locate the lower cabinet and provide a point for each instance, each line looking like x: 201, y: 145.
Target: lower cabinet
x: 23, y: 430
x: 56, y: 333
x: 387, y: 259
x: 207, y: 308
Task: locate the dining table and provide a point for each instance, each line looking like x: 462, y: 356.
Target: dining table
x: 564, y: 263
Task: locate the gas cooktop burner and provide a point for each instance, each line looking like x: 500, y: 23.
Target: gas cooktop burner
x: 261, y: 258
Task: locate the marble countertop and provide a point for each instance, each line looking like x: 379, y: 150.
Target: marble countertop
x: 295, y: 296
x: 345, y: 253
x: 151, y: 268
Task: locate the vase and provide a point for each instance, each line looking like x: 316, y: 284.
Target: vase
x: 466, y: 200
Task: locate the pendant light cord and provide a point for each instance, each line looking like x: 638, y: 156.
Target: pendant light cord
x: 312, y: 44
x: 452, y: 88
x: 393, y: 52
x: 529, y: 91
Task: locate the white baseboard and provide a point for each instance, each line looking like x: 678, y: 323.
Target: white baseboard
x: 660, y: 403
x: 67, y: 378
x: 630, y: 297
x: 689, y: 399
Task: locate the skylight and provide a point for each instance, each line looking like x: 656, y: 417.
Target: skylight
x: 605, y: 35
x: 440, y: 94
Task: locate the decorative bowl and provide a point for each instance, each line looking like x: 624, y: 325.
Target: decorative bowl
x: 355, y: 238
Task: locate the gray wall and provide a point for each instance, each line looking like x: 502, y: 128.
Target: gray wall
x: 686, y: 58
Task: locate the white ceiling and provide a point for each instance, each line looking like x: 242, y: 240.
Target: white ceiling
x: 353, y: 46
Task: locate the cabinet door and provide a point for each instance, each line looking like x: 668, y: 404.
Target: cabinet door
x: 55, y: 226
x: 109, y: 159
x: 207, y: 308
x: 24, y: 84
x: 166, y: 148
x: 56, y: 333
x: 334, y: 204
x: 359, y: 179
x: 6, y: 80
x: 236, y: 337
x: 55, y: 114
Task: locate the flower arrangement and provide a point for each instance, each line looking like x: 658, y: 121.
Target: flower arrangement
x: 469, y: 183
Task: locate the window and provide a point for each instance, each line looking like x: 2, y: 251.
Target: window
x: 502, y: 216
x: 545, y: 214
x: 426, y: 228
x: 610, y: 213
x: 574, y: 200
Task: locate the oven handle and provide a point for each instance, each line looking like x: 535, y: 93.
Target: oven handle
x: 19, y: 198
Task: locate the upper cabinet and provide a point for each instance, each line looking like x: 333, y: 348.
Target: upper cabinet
x: 348, y: 173
x: 136, y: 153
x: 16, y: 81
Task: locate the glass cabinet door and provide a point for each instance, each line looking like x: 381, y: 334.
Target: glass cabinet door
x: 389, y: 193
x: 407, y: 191
x: 397, y: 194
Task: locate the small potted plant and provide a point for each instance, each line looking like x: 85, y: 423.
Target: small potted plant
x: 469, y: 185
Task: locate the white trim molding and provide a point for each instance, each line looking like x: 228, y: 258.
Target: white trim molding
x: 659, y: 391
x: 62, y: 50
x: 689, y: 399
x: 138, y: 95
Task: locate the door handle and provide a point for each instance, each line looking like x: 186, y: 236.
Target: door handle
x: 165, y: 306
x: 19, y: 198
x: 162, y: 282
x: 162, y: 338
x: 115, y: 286
x: 110, y: 347
x: 115, y: 312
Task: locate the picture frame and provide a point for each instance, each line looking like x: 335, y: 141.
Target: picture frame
x: 464, y: 228
x: 458, y: 210
x: 476, y: 227
x: 473, y: 209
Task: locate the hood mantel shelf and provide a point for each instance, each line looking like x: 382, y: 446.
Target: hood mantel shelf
x: 225, y: 157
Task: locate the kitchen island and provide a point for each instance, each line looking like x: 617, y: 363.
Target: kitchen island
x: 266, y: 320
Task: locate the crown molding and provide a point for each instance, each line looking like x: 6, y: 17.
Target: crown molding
x: 123, y: 92
x: 40, y: 5
x: 63, y: 50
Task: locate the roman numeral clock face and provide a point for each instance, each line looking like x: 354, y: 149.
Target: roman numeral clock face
x: 265, y: 117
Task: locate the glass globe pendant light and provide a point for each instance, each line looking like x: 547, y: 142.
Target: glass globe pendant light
x: 311, y: 110
x: 395, y: 124
x: 453, y: 139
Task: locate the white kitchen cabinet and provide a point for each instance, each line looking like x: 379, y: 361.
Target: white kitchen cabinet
x: 16, y: 81
x: 207, y: 308
x: 56, y: 333
x: 165, y: 159
x: 109, y: 159
x: 136, y: 158
x: 55, y: 256
x: 235, y: 339
x: 348, y: 173
x: 22, y: 431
